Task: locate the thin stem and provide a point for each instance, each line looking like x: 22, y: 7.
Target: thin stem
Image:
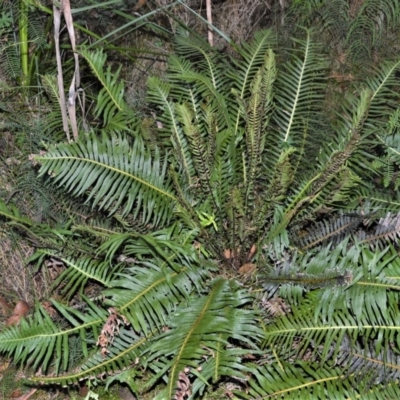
x: 209, y: 20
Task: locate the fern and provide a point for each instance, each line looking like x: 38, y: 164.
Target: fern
x: 232, y: 247
x: 132, y: 171
x: 110, y: 105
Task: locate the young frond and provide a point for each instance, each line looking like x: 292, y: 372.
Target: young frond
x: 159, y: 94
x: 258, y: 113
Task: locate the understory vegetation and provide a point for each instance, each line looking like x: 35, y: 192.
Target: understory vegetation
x: 201, y: 210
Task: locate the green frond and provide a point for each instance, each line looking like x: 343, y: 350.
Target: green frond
x: 207, y: 58
x: 357, y: 306
x: 319, y: 334
x: 224, y: 362
x: 257, y: 116
x: 382, y: 86
x: 298, y: 89
x: 36, y: 31
x: 49, y: 83
x: 124, y: 351
x: 158, y: 93
x: 110, y: 105
x: 40, y: 342
x: 10, y: 212
x: 382, y: 392
x: 207, y: 321
x: 147, y: 296
x: 54, y: 119
x: 113, y: 174
x: 387, y: 230
x: 285, y: 380
x: 367, y: 297
x: 9, y: 60
x: 253, y: 57
x: 198, y: 148
x: 78, y: 272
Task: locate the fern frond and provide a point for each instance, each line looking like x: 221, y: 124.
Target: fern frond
x: 257, y: 118
x: 78, y: 272
x: 147, y: 296
x: 121, y: 354
x: 297, y: 91
x: 207, y: 58
x: 39, y: 339
x: 253, y: 57
x: 317, y: 334
x: 113, y: 173
x: 10, y: 212
x: 208, y: 319
x: 10, y: 60
x: 333, y: 231
x: 289, y: 381
x: 110, y: 105
x: 386, y: 230
x: 158, y: 93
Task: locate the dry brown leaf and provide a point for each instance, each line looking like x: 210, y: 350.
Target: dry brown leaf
x: 184, y: 387
x: 25, y: 396
x: 49, y: 309
x: 276, y: 306
x: 16, y: 393
x: 20, y: 311
x: 247, y: 268
x: 4, y: 365
x: 228, y: 254
x: 252, y: 252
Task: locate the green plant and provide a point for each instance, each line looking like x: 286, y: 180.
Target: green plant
x: 358, y: 34
x: 231, y: 249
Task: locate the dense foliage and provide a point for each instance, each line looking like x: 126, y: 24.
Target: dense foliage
x: 238, y: 237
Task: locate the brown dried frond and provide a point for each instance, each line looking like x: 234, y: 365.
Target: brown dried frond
x: 183, y: 390
x: 276, y: 306
x: 110, y: 330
